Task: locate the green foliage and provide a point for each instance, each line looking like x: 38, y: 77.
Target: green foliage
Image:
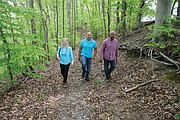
x: 41, y: 97
x: 172, y: 76
x: 177, y: 99
x: 16, y: 42
x: 156, y: 44
x: 165, y: 31
x: 176, y: 51
x: 162, y: 34
x: 177, y: 116
x: 98, y: 81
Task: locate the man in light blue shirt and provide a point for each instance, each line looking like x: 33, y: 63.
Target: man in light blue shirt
x: 86, y: 55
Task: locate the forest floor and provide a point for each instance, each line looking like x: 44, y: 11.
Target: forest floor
x: 47, y: 99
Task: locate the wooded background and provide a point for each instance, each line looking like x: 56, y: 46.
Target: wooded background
x: 31, y: 30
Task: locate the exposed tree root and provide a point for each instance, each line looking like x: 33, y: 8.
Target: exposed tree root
x: 162, y: 62
x: 172, y: 61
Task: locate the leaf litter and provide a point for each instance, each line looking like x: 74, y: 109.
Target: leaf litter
x: 47, y: 99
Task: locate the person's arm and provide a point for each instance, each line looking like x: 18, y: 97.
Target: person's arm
x: 72, y: 57
x: 79, y: 52
x: 58, y: 58
x: 102, y: 51
x: 117, y: 51
x: 95, y: 52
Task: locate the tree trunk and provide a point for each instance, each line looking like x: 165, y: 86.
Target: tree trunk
x: 63, y: 18
x: 74, y: 24
x: 172, y: 9
x: 124, y: 7
x: 33, y: 30
x: 8, y: 54
x: 57, y: 25
x: 178, y: 10
x: 68, y: 16
x: 109, y: 17
x: 117, y: 17
x: 139, y: 16
x: 104, y: 19
x: 178, y: 14
x: 44, y: 27
x: 163, y: 12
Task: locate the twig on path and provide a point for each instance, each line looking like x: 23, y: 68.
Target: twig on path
x: 26, y: 79
x: 137, y: 86
x: 95, y: 75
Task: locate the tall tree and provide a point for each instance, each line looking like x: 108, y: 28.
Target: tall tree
x: 163, y: 13
x: 109, y: 16
x: 7, y: 52
x: 124, y: 7
x: 72, y: 23
x: 178, y: 10
x: 63, y: 17
x: 104, y: 17
x: 173, y: 6
x: 31, y: 4
x: 74, y: 46
x: 139, y: 16
x: 57, y: 23
x: 44, y: 26
x: 68, y: 5
x: 117, y: 17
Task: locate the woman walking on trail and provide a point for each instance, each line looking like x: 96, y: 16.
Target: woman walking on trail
x: 86, y: 55
x: 65, y: 57
x: 109, y: 52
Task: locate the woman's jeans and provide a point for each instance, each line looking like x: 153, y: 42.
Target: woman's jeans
x: 64, y: 71
x: 108, y: 70
x: 86, y: 66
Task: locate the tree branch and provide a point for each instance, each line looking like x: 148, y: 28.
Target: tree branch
x: 137, y: 86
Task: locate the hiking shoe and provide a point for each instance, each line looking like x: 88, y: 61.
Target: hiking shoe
x: 64, y: 84
x: 107, y: 80
x: 82, y: 78
x: 87, y: 79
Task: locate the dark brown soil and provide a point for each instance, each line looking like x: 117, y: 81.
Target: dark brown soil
x: 47, y: 99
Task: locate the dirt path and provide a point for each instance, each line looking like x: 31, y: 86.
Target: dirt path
x: 46, y: 99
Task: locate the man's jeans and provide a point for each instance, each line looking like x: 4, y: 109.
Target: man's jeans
x: 108, y: 70
x: 86, y: 66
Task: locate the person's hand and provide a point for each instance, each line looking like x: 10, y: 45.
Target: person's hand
x: 58, y: 58
x: 100, y: 61
x: 117, y: 61
x: 79, y: 59
x: 72, y: 62
x: 93, y: 58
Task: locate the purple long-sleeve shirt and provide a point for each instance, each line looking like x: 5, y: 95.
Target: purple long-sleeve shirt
x: 109, y: 49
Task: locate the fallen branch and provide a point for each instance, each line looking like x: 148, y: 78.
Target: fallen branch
x: 137, y: 86
x: 95, y: 75
x: 170, y: 60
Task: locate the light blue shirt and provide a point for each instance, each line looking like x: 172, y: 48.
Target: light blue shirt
x: 87, y: 47
x: 66, y: 55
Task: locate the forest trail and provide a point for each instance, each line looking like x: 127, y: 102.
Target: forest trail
x: 46, y: 99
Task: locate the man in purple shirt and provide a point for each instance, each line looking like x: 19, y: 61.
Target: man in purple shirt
x: 109, y: 52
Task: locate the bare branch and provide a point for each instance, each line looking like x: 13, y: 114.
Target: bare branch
x: 137, y: 86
